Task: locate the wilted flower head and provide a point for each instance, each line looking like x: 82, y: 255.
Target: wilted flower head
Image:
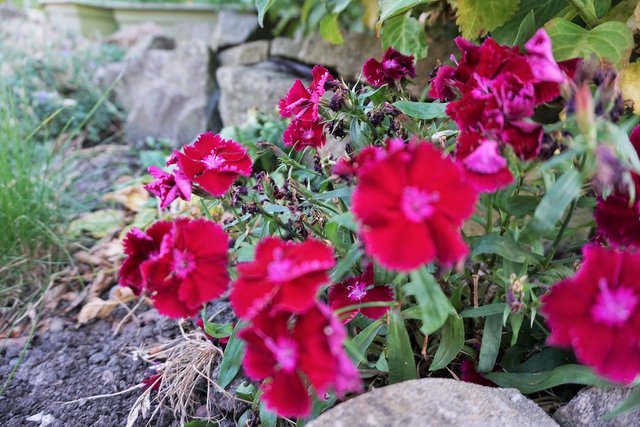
x: 168, y: 186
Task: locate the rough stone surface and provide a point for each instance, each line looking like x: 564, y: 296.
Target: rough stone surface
x: 436, y: 402
x: 232, y: 28
x: 346, y: 59
x: 243, y: 88
x: 132, y: 34
x: 591, y: 404
x: 245, y: 54
x: 165, y: 92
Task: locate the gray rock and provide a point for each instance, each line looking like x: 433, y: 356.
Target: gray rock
x: 436, y: 402
x: 9, y: 12
x: 133, y: 34
x: 165, y: 92
x: 245, y: 54
x: 232, y: 28
x: 591, y: 404
x: 346, y: 58
x: 243, y: 88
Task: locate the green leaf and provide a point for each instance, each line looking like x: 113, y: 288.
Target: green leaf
x: 405, y: 34
x: 330, y: 29
x: 98, y: 223
x: 345, y: 220
x: 201, y: 423
x: 491, y: 337
x: 340, y: 193
x: 263, y: 6
x: 485, y: 310
x: 433, y: 304
x: 526, y: 30
x: 611, y: 41
x: 363, y: 340
x: 631, y: 403
x: 498, y: 245
x: 533, y: 382
x: 391, y: 8
x: 267, y: 418
x: 346, y: 263
x: 232, y: 358
x: 422, y: 110
x: 218, y: 330
x: 402, y: 366
x: 477, y: 17
x: 555, y: 202
x: 451, y: 342
x: 621, y: 12
x: 543, y: 11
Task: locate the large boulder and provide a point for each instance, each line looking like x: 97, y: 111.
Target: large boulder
x: 232, y: 28
x: 591, y: 404
x: 245, y: 54
x: 243, y: 88
x: 436, y: 402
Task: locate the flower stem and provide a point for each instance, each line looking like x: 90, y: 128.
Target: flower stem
x: 585, y: 12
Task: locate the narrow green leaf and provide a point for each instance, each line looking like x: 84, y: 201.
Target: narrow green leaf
x: 526, y: 30
x: 485, y: 310
x: 346, y: 263
x: 533, y: 382
x: 402, y: 366
x: 491, y: 337
x: 232, y: 358
x: 218, y: 330
x: 632, y: 402
x: 330, y: 29
x: 495, y: 244
x: 555, y: 202
x: 363, y: 340
x: 422, y: 110
x: 405, y: 34
x: 433, y: 304
x: 391, y: 8
x: 263, y: 6
x: 340, y: 193
x: 267, y: 418
x: 544, y: 10
x: 451, y: 342
x: 345, y: 220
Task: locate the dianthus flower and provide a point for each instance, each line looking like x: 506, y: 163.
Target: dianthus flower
x: 300, y: 134
x: 168, y: 186
x: 597, y: 312
x: 410, y: 205
x: 286, y: 275
x: 617, y: 216
x: 295, y: 352
x: 485, y: 165
x: 360, y: 290
x: 214, y: 163
x: 302, y: 102
x: 393, y: 67
x: 181, y: 264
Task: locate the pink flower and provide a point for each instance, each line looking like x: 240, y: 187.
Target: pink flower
x: 487, y: 169
x: 408, y: 214
x: 300, y: 134
x: 360, y: 290
x: 214, y: 163
x: 515, y: 98
x: 596, y: 312
x: 301, y: 102
x: 540, y: 56
x: 295, y: 352
x: 168, y: 186
x: 286, y: 275
x: 393, y: 67
x: 181, y: 264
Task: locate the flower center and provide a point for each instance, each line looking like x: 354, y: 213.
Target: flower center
x: 308, y: 135
x: 417, y: 205
x: 389, y: 64
x: 183, y: 263
x: 357, y: 292
x: 279, y: 270
x: 213, y: 161
x: 285, y: 351
x: 614, y: 306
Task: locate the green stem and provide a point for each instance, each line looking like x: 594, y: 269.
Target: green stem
x: 365, y: 305
x: 585, y: 12
x: 563, y: 229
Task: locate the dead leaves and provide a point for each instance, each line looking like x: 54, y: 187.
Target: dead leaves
x: 98, y: 308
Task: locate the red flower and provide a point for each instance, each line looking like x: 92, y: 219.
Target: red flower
x: 618, y: 218
x: 139, y: 246
x: 303, y: 102
x: 410, y: 206
x: 487, y: 169
x: 182, y: 264
x: 214, y: 163
x: 524, y: 137
x: 596, y: 312
x: 284, y: 274
x: 294, y: 352
x: 360, y: 290
x: 393, y: 67
x: 300, y: 135
x: 346, y: 166
x: 469, y: 374
x: 168, y: 186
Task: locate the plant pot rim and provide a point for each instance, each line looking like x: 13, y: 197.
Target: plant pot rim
x: 168, y: 6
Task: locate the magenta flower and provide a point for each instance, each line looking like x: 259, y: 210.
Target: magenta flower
x: 168, y: 186
x: 302, y: 102
x: 360, y: 290
x: 393, y: 67
x: 597, y: 313
x: 300, y: 134
x: 486, y: 168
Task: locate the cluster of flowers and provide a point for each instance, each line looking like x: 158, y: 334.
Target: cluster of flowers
x: 496, y: 89
x: 597, y: 311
